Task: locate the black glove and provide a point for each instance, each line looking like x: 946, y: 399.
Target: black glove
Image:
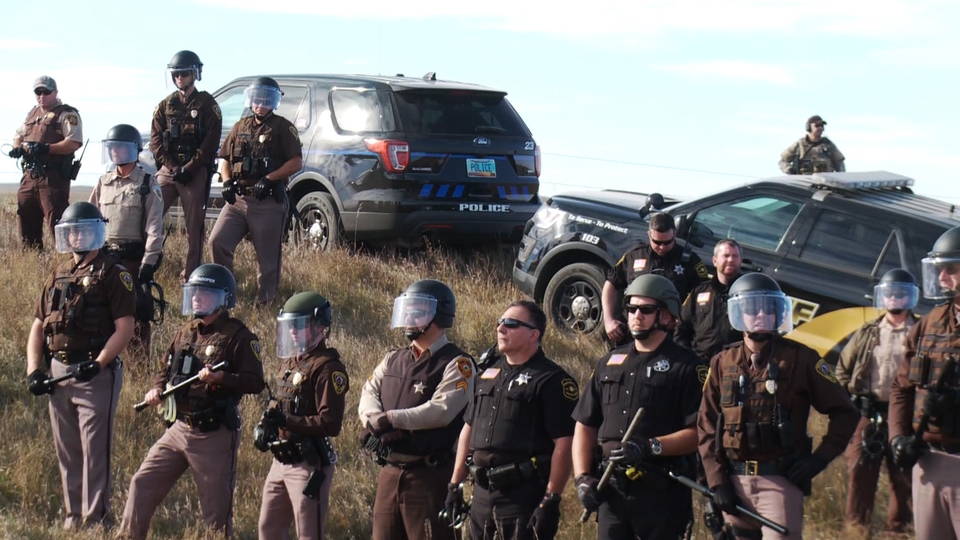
x: 16, y: 152
x: 146, y: 273
x: 37, y: 383
x: 546, y: 517
x: 726, y: 498
x: 380, y: 424
x: 803, y: 471
x: 453, y: 506
x: 275, y: 416
x: 37, y: 148
x: 587, y: 492
x: 262, y: 189
x: 229, y: 192
x: 182, y: 176
x: 630, y: 453
x: 85, y: 371
x: 906, y: 449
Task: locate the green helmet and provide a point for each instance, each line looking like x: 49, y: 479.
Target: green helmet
x: 657, y: 287
x: 308, y: 303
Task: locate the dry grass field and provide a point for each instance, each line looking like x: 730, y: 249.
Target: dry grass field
x: 361, y: 287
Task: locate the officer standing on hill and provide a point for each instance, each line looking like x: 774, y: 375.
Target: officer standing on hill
x: 132, y: 204
x: 925, y: 398
x: 412, y: 410
x: 202, y: 418
x: 261, y: 152
x: 184, y: 137
x: 46, y: 142
x: 664, y: 379
x: 704, y: 325
x: 83, y: 319
x: 516, y: 436
x: 753, y: 418
x: 306, y: 412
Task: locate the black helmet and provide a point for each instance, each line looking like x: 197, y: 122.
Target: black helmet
x: 125, y: 133
x: 79, y: 211
x: 422, y: 303
x: 755, y: 293
x: 122, y: 144
x: 81, y: 229
x: 947, y: 245
x: 266, y: 81
x: 308, y: 303
x: 186, y: 60
x: 945, y: 255
x: 897, y: 291
x: 212, y: 276
x: 898, y: 275
x: 262, y: 91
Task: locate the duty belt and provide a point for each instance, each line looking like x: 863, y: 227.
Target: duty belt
x: 755, y: 468
x: 506, y: 476
x: 125, y: 250
x: 433, y: 460
x: 205, y: 420
x: 74, y: 357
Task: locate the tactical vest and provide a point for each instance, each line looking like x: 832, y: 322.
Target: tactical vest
x: 937, y: 345
x: 184, y: 131
x: 296, y: 393
x: 255, y: 149
x: 408, y: 383
x: 46, y: 128
x: 77, y: 308
x: 190, y: 356
x: 814, y: 157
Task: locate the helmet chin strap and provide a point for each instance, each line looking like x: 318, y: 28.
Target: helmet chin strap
x: 644, y: 334
x: 413, y: 333
x: 896, y: 311
x: 760, y: 337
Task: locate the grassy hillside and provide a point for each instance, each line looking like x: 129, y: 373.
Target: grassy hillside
x: 361, y: 288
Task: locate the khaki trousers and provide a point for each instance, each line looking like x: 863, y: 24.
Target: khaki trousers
x: 773, y: 497
x: 193, y: 201
x: 283, y: 501
x: 936, y: 496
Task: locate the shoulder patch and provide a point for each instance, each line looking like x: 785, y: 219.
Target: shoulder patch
x: 255, y: 347
x: 339, y: 381
x: 825, y: 370
x: 570, y: 389
x: 703, y: 373
x: 465, y: 367
x: 702, y: 270
x: 127, y: 280
x: 71, y: 118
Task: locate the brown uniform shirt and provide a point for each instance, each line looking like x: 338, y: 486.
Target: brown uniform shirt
x: 199, y: 124
x: 132, y: 216
x: 270, y: 143
x: 804, y: 380
x: 60, y: 123
x: 312, y: 393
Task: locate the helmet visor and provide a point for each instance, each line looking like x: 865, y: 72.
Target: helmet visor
x: 119, y: 152
x: 80, y: 236
x: 760, y: 311
x: 263, y: 96
x: 895, y: 295
x: 297, y: 334
x: 184, y: 71
x: 201, y: 301
x: 941, y: 276
x: 413, y: 311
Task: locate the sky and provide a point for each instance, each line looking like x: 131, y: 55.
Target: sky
x: 681, y: 97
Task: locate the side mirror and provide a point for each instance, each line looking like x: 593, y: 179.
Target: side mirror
x: 655, y: 201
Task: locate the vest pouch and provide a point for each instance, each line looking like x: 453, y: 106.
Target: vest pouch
x: 751, y: 434
x: 919, y: 373
x: 286, y: 452
x: 610, y: 385
x: 733, y: 435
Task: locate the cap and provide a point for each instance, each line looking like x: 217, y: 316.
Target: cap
x: 45, y: 81
x: 816, y: 118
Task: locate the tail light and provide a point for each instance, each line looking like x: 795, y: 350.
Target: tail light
x: 536, y: 161
x: 394, y: 154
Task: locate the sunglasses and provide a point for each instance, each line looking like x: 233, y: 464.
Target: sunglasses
x: 646, y: 309
x: 515, y: 323
x: 767, y: 307
x: 184, y: 73
x: 950, y: 268
x: 416, y: 313
x: 42, y: 91
x: 895, y: 294
x: 662, y: 242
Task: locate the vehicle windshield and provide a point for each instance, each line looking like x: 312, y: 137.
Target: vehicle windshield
x: 458, y: 112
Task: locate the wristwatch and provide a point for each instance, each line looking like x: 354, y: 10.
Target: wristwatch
x: 655, y: 447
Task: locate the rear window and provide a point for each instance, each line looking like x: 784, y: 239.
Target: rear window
x: 458, y: 112
x: 360, y: 110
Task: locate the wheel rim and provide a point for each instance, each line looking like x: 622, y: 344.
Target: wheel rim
x: 314, y: 228
x: 578, y: 307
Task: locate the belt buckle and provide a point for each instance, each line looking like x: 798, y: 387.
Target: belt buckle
x: 750, y: 467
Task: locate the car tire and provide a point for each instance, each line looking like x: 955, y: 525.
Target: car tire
x: 317, y: 224
x: 572, y: 299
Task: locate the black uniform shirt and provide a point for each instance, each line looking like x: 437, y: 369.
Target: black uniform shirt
x: 704, y: 325
x: 683, y: 268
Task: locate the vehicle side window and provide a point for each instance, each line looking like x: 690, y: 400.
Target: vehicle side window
x: 759, y: 222
x: 842, y: 241
x: 231, y: 107
x: 295, y: 106
x: 360, y: 110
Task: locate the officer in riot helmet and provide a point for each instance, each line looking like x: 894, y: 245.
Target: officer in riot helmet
x: 411, y: 409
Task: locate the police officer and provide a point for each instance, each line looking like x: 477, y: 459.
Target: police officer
x: 868, y: 364
x: 184, y: 137
x: 813, y: 153
x: 132, y: 205
x: 704, y: 325
x: 752, y: 421
x: 662, y: 255
x: 261, y: 152
x: 306, y: 413
x: 517, y: 434
x: 925, y: 398
x: 202, y: 418
x: 663, y: 378
x: 412, y: 408
x: 46, y: 142
x: 83, y: 319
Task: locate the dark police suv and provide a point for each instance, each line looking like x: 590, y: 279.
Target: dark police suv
x: 826, y: 238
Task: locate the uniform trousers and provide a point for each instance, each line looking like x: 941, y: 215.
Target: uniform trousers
x: 650, y: 508
x: 210, y: 456
x: 81, y: 417
x: 504, y: 514
x: 40, y: 199
x: 408, y: 503
x: 936, y: 496
x: 264, y: 222
x: 773, y: 497
x: 283, y: 501
x: 193, y: 200
x: 863, y: 473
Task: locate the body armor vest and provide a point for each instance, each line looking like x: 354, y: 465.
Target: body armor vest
x: 78, y: 311
x: 184, y: 132
x: 938, y: 347
x: 187, y: 360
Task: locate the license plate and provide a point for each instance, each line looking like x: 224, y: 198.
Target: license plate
x: 481, y: 168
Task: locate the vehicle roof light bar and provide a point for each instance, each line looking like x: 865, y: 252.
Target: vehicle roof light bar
x: 861, y: 180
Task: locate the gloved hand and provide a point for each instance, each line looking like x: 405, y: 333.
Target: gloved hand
x: 145, y: 275
x: 369, y: 442
x: 262, y: 189
x: 85, y: 371
x: 587, y: 492
x: 379, y: 423
x: 392, y: 436
x: 726, y: 498
x: 37, y: 148
x: 275, y: 416
x: 183, y: 175
x: 37, y: 383
x: 906, y: 450
x: 631, y: 453
x: 229, y: 192
x: 546, y: 517
x: 454, y: 506
x: 16, y: 152
x: 803, y: 471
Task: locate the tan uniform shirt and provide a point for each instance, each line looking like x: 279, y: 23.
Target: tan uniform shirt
x: 68, y: 121
x: 887, y: 355
x: 131, y: 216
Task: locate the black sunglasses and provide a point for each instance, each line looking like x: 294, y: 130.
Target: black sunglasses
x: 183, y: 73
x: 663, y: 242
x: 515, y: 323
x: 646, y: 309
x: 42, y: 91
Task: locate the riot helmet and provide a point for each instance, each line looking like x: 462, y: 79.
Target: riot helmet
x: 263, y: 91
x: 210, y: 287
x: 658, y: 288
x: 302, y: 324
x: 943, y: 258
x: 756, y: 305
x: 423, y: 303
x: 185, y: 61
x: 81, y: 229
x: 122, y: 145
x: 896, y: 292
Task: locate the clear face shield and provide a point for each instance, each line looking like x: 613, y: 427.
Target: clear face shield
x: 413, y: 311
x: 119, y: 152
x: 941, y: 277
x: 896, y: 296
x: 201, y: 301
x: 183, y: 77
x: 261, y: 96
x: 760, y: 311
x: 298, y: 334
x: 80, y: 236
